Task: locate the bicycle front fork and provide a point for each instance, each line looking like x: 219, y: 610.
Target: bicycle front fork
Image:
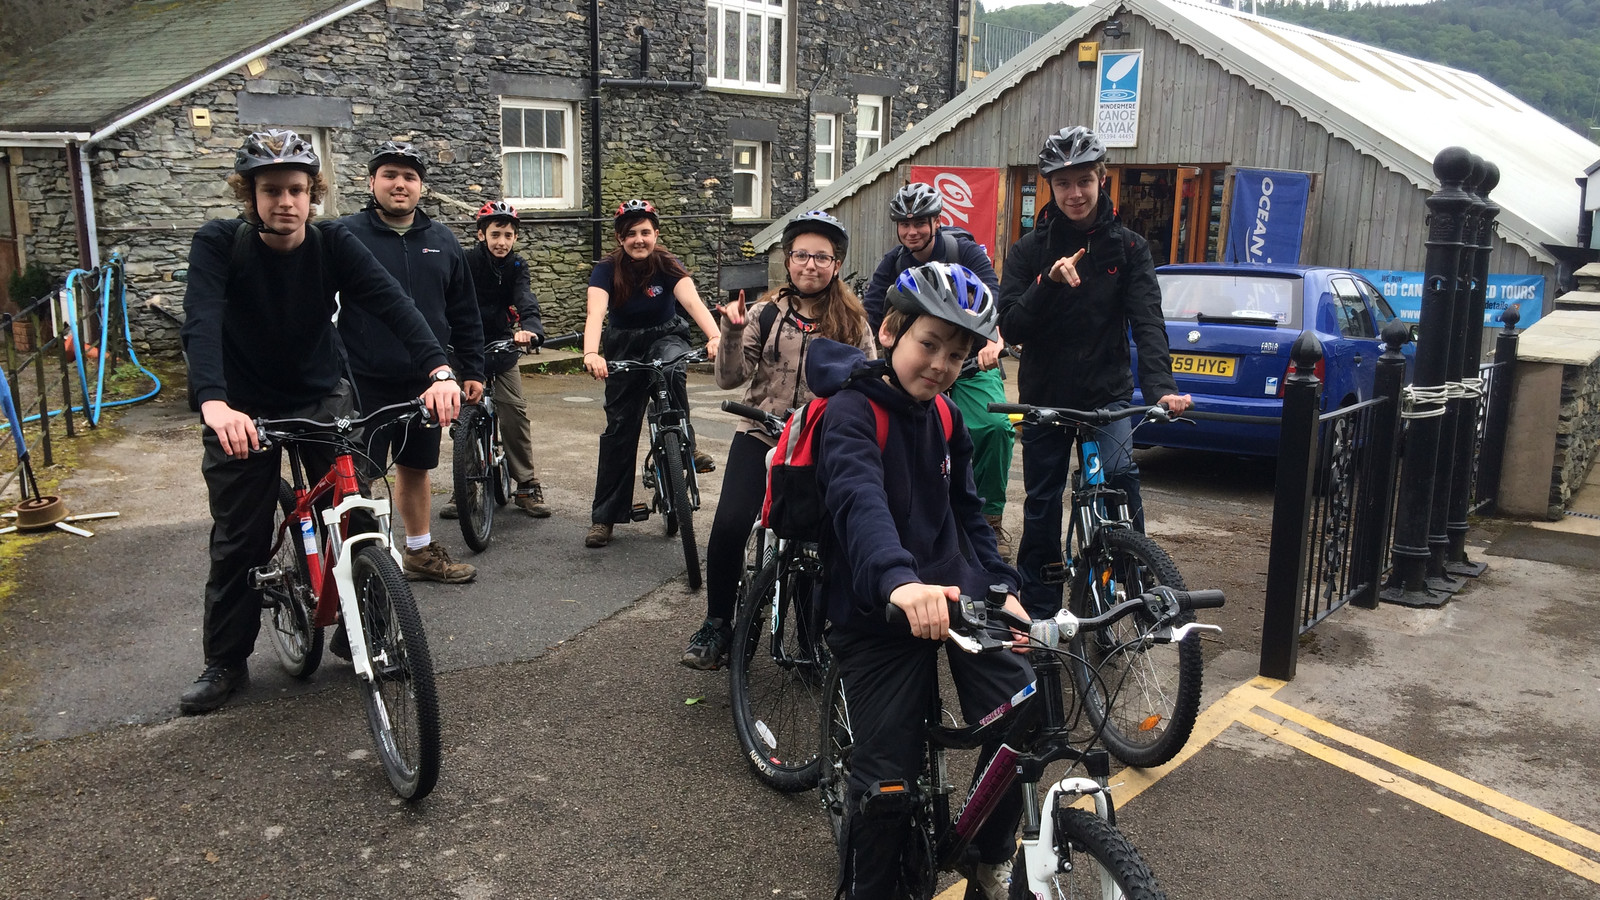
x: 1043, y: 863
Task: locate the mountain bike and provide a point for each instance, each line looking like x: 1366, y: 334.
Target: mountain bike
x: 332, y: 561
x: 669, y: 466
x: 1106, y: 562
x: 779, y: 662
x: 1065, y: 852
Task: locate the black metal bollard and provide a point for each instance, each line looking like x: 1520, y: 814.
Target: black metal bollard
x: 1438, y: 578
x: 1456, y: 562
x: 1493, y: 452
x: 1377, y: 493
x: 1446, y: 211
x: 1287, y: 560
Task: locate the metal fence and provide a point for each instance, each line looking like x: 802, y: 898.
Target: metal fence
x: 994, y: 44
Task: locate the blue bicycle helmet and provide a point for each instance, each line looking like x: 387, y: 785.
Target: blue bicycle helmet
x: 949, y: 292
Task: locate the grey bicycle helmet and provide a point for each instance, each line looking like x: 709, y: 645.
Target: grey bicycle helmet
x: 497, y: 211
x: 397, y: 152
x: 818, y: 222
x: 279, y: 147
x: 949, y: 292
x: 1073, y: 146
x: 628, y: 210
x: 915, y: 201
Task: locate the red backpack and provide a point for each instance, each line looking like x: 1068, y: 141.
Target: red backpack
x: 794, y: 508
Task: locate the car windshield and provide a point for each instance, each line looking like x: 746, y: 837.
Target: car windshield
x: 1190, y: 295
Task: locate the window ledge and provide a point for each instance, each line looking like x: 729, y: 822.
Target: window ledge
x: 737, y: 219
x: 752, y: 92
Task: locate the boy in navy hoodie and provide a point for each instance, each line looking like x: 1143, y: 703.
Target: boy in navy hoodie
x: 907, y: 529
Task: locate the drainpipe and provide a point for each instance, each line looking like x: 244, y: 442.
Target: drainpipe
x: 955, y: 48
x: 1585, y: 217
x: 83, y: 206
x: 594, y: 124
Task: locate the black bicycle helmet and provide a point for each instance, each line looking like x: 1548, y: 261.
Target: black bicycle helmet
x: 915, y: 201
x: 276, y: 148
x: 398, y: 152
x: 497, y: 211
x: 628, y: 210
x: 818, y: 222
x: 949, y: 292
x: 1073, y: 146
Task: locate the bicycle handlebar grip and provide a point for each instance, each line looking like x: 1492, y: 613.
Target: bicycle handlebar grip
x: 1010, y: 408
x: 741, y: 409
x: 1207, y: 599
x: 894, y: 615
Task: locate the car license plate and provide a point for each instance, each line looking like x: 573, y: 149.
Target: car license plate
x: 1196, y: 364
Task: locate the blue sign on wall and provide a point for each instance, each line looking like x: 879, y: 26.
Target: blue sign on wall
x: 1268, y: 217
x: 1403, y: 290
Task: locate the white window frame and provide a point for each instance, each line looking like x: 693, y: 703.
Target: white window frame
x: 567, y: 183
x: 770, y: 16
x: 758, y: 193
x: 831, y: 148
x: 881, y: 135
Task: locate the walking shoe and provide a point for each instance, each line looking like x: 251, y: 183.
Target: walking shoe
x: 213, y: 688
x: 703, y: 462
x: 339, y: 644
x: 530, y: 499
x: 448, y: 511
x: 1001, y: 537
x: 993, y: 880
x: 433, y: 563
x: 599, y: 535
x: 708, y: 649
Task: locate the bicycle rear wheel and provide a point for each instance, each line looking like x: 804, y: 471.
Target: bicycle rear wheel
x: 473, y: 466
x: 779, y: 671
x: 402, y: 708
x: 836, y: 741
x: 1098, y: 863
x: 289, y: 603
x: 1143, y: 695
x: 672, y: 461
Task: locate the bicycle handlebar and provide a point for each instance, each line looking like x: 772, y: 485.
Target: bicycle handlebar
x: 770, y: 424
x: 970, y: 625
x: 1062, y: 417
x: 267, y: 429
x: 693, y: 355
x: 970, y: 367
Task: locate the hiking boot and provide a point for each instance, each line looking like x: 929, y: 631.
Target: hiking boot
x: 1001, y: 537
x: 993, y: 880
x: 703, y: 462
x: 448, y: 511
x: 433, y: 563
x: 530, y: 499
x: 339, y: 644
x: 599, y: 535
x: 708, y: 649
x: 213, y: 688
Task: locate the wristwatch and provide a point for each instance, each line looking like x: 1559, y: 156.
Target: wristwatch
x: 444, y: 374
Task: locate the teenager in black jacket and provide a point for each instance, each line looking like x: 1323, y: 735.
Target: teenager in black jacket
x: 1073, y: 289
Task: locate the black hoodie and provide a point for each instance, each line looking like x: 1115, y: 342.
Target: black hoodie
x: 907, y: 514
x: 1075, y: 340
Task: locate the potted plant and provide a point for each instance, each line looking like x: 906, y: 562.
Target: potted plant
x: 26, y: 286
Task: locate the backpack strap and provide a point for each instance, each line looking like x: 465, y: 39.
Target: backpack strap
x: 952, y: 254
x: 769, y: 317
x: 945, y: 419
x: 880, y: 419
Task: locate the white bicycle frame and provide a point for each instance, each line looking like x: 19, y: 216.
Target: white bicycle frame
x: 344, y: 581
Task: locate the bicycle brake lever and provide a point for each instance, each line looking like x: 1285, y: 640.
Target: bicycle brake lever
x: 965, y: 643
x: 1166, y: 634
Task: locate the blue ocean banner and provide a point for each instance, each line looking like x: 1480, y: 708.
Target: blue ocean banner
x: 1403, y: 290
x: 1268, y: 217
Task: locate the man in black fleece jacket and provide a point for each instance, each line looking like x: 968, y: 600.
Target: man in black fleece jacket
x: 1073, y: 288
x: 260, y: 341
x: 428, y: 262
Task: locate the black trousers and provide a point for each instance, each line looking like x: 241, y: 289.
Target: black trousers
x: 888, y: 682
x: 744, y: 487
x: 626, y: 396
x: 243, y: 494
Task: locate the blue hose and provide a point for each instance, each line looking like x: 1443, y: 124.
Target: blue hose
x: 92, y: 407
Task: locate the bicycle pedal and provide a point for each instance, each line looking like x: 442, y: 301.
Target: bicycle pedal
x: 888, y: 798
x: 649, y: 478
x: 639, y: 513
x: 1053, y: 573
x: 261, y: 576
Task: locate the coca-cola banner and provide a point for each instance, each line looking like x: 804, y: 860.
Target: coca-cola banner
x: 971, y: 199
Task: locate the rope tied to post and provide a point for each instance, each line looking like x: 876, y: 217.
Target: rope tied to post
x: 1419, y: 402
x: 1472, y: 388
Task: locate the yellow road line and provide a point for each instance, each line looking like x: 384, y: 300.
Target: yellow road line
x: 1467, y: 788
x: 1426, y: 797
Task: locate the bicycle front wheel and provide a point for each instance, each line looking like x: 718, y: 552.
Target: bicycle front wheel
x: 289, y: 603
x: 499, y: 468
x: 780, y: 665
x: 1097, y: 862
x: 1142, y: 695
x: 672, y: 460
x: 473, y: 470
x: 402, y: 708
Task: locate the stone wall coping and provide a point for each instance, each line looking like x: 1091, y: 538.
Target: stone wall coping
x: 1579, y: 299
x: 1590, y: 270
x: 1569, y: 337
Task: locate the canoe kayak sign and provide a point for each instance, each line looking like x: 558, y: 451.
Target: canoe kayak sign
x: 1116, y: 103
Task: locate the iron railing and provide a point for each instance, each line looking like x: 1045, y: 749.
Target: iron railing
x: 994, y: 44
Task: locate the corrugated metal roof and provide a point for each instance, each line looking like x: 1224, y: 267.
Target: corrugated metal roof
x: 1400, y: 110
x: 89, y: 77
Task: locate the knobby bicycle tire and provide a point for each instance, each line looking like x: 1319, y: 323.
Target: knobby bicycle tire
x: 1143, y: 696
x: 471, y: 468
x: 289, y: 604
x: 402, y: 706
x: 500, y: 468
x: 672, y: 460
x: 779, y: 671
x: 835, y: 740
x: 1100, y: 863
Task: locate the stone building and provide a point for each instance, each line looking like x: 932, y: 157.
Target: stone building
x: 723, y: 112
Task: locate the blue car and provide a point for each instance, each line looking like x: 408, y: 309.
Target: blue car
x: 1230, y: 328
